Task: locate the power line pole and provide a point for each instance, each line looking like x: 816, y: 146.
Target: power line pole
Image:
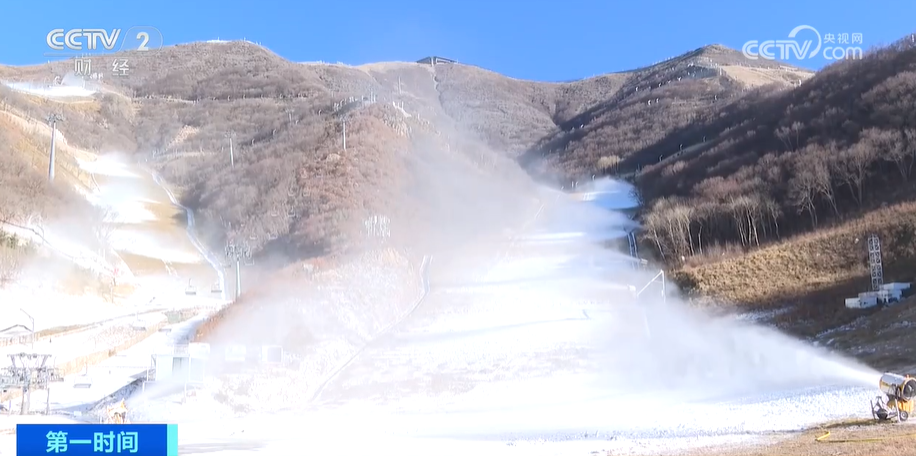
x: 53, y: 119
x: 345, y: 133
x: 229, y: 135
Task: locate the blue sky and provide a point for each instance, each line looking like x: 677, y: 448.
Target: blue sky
x: 550, y: 41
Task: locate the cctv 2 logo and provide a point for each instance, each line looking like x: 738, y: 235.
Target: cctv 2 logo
x: 84, y: 39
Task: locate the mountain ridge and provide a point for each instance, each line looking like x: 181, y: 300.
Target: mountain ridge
x: 714, y: 53
x: 413, y: 129
x: 180, y: 101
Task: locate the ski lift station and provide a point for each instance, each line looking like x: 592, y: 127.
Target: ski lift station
x: 888, y: 293
x: 189, y: 363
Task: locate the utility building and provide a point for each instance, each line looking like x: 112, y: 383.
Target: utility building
x: 434, y: 60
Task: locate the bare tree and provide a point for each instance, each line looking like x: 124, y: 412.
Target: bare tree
x: 797, y: 128
x: 890, y: 145
x: 653, y: 226
x: 790, y: 135
x: 682, y: 215
x: 773, y: 211
x: 815, y: 163
x: 802, y: 191
x: 11, y: 258
x: 607, y: 162
x: 909, y: 138
x: 103, y: 227
x: 853, y: 165
x: 784, y: 135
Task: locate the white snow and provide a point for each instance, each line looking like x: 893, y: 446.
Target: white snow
x: 140, y: 242
x: 401, y: 109
x: 108, y: 166
x: 210, y: 258
x: 71, y: 346
x: 69, y: 404
x: 33, y: 299
x: 127, y: 196
x: 74, y: 251
x: 48, y: 90
x: 130, y: 211
x: 49, y: 308
x: 524, y: 365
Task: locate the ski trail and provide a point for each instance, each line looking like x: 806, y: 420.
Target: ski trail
x: 424, y: 278
x: 211, y: 260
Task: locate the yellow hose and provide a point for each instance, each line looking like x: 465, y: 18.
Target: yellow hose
x: 823, y: 439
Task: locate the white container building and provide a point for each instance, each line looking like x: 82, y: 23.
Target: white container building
x: 888, y: 294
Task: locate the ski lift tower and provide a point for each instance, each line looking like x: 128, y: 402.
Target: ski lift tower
x: 874, y: 262
x: 658, y: 278
x: 238, y: 251
x: 29, y: 371
x: 634, y: 249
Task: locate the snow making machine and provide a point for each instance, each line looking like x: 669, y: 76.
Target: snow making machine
x: 117, y: 414
x: 900, y: 391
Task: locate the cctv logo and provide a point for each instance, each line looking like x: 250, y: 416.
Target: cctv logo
x: 58, y: 39
x: 756, y: 49
x: 78, y: 41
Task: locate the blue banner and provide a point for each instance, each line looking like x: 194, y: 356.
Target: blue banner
x: 95, y: 439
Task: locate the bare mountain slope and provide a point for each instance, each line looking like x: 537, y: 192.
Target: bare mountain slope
x: 645, y: 106
x: 723, y: 162
x: 179, y: 106
x: 823, y: 165
x: 293, y: 186
x: 29, y: 203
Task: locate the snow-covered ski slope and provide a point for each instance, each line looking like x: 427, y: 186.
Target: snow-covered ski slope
x: 71, y: 87
x: 548, y: 353
x: 154, y: 253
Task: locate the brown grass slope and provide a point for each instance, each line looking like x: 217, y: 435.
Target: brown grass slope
x: 809, y: 275
x: 293, y: 189
x: 29, y: 201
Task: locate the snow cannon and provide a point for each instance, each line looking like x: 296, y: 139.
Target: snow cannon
x: 117, y: 414
x: 900, y: 391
